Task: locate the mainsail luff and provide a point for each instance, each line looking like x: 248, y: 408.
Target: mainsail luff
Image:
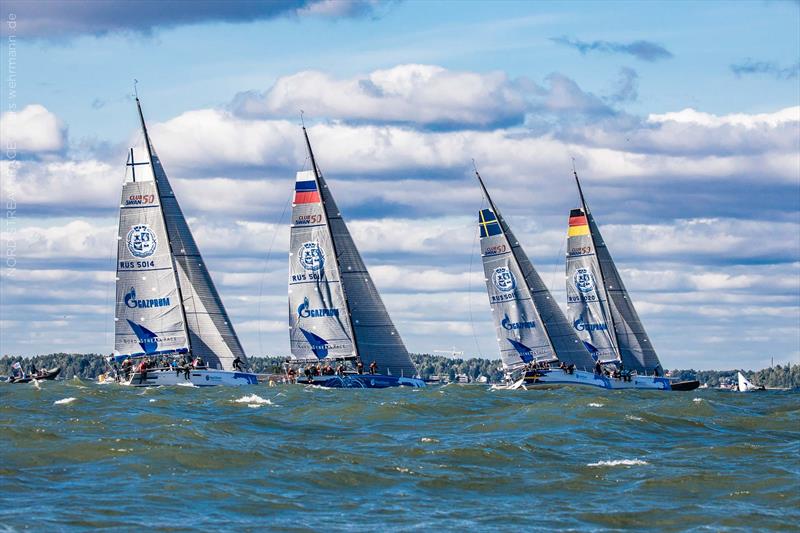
x: 632, y: 342
x: 564, y: 344
x: 211, y: 333
x: 374, y: 335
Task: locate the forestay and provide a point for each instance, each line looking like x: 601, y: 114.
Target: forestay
x: 319, y: 323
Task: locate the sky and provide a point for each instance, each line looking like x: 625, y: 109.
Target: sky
x: 683, y: 119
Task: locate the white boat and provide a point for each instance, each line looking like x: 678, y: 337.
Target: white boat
x: 744, y: 385
x: 538, y: 346
x: 167, y: 306
x: 336, y: 316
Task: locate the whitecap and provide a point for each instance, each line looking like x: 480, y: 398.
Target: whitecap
x: 428, y: 439
x: 697, y: 400
x: 153, y: 400
x: 64, y: 401
x: 253, y: 399
x: 185, y: 384
x: 631, y: 417
x: 620, y: 462
x: 593, y: 404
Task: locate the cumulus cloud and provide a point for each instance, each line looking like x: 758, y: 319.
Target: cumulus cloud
x: 56, y: 19
x: 643, y: 50
x: 33, y: 129
x: 750, y: 67
x: 424, y: 94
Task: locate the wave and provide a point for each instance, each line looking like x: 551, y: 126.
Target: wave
x: 620, y: 462
x: 64, y: 401
x: 254, y: 399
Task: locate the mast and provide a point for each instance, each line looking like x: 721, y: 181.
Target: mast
x: 501, y: 221
x: 317, y: 176
x: 599, y: 265
x: 166, y: 226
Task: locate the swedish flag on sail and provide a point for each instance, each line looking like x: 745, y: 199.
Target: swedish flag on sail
x: 488, y: 223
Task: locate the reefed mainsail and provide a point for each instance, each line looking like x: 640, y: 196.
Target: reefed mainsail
x: 530, y: 325
x: 372, y: 335
x: 200, y: 310
x: 319, y: 324
x: 624, y: 326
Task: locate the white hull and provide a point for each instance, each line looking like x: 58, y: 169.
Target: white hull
x: 556, y: 377
x: 197, y: 378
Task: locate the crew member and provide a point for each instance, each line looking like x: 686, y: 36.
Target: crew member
x: 237, y: 364
x: 360, y: 366
x: 373, y: 368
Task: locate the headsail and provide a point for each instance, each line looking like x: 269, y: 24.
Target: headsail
x: 211, y: 334
x: 529, y: 323
x: 149, y: 319
x: 374, y: 336
x: 625, y: 329
x: 319, y: 324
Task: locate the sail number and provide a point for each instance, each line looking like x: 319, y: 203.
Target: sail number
x: 126, y: 265
x: 582, y: 298
x: 581, y: 250
x: 307, y: 276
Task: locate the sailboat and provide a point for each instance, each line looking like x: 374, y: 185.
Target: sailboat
x: 601, y: 310
x: 167, y: 307
x: 744, y: 384
x: 337, y: 320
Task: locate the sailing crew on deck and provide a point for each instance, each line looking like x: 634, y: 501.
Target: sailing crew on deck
x: 237, y: 364
x: 340, y: 370
x: 598, y: 369
x: 360, y: 366
x: 373, y: 367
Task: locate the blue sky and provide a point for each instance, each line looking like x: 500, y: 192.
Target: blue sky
x: 684, y: 119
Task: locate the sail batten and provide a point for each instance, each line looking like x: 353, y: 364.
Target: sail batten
x: 530, y: 325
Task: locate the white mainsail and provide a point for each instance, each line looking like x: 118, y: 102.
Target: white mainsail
x: 357, y: 322
x: 149, y: 316
x: 319, y: 324
x: 530, y: 325
x: 744, y: 383
x: 206, y: 329
x: 625, y: 330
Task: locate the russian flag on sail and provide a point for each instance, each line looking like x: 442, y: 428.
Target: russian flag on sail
x: 578, y: 225
x: 305, y: 188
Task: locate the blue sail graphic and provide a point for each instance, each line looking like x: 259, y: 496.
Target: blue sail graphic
x: 318, y: 345
x: 147, y: 339
x: 523, y: 351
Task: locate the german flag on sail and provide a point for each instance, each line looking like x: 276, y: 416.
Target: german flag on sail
x: 305, y: 188
x: 578, y: 225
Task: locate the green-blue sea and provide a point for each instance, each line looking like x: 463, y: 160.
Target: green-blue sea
x: 77, y: 455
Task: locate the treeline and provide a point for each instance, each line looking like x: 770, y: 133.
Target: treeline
x: 89, y: 366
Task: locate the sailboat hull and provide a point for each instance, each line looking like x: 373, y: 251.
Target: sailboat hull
x: 361, y: 381
x: 534, y: 379
x: 197, y: 378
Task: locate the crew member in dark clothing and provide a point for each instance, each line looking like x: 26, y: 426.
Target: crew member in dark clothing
x: 360, y: 366
x: 340, y: 370
x: 237, y: 364
x: 373, y: 368
x: 598, y: 369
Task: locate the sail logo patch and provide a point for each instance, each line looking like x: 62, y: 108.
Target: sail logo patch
x: 304, y: 311
x: 503, y: 279
x: 583, y: 279
x: 507, y: 324
x: 133, y: 303
x: 311, y: 256
x: 580, y: 325
x: 142, y: 241
x: 140, y: 199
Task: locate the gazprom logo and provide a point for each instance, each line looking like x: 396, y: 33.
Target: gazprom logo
x: 580, y: 325
x: 507, y: 324
x: 133, y: 303
x: 303, y: 311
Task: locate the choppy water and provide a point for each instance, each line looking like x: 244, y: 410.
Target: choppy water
x: 77, y: 455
